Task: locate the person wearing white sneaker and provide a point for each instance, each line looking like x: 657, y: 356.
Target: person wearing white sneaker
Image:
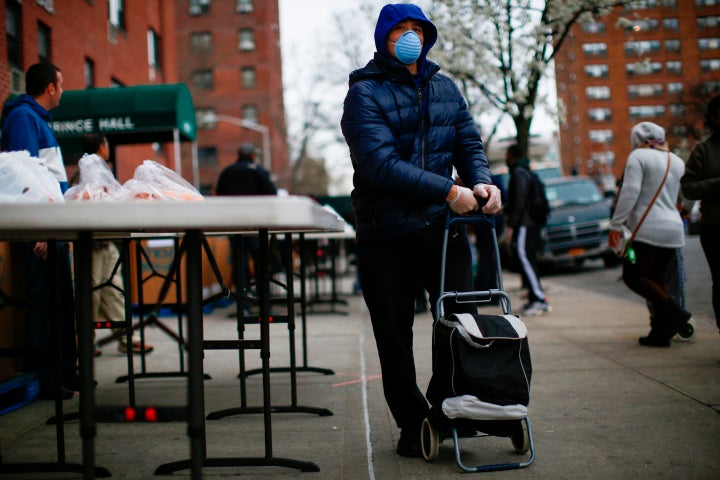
x: 523, y: 229
x: 108, y: 301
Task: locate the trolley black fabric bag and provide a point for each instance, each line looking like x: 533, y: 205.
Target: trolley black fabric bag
x: 486, y: 356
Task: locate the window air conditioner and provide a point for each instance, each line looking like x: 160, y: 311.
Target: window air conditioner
x: 17, y: 81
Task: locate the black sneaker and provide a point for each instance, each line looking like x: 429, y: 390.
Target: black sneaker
x: 409, y: 443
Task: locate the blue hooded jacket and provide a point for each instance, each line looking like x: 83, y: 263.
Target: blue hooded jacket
x: 405, y: 133
x: 26, y: 128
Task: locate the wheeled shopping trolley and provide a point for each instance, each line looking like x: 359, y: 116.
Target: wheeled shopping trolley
x: 481, y: 371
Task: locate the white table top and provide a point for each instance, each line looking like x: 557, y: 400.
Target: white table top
x: 21, y: 221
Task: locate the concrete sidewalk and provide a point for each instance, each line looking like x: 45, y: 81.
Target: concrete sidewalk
x: 601, y: 406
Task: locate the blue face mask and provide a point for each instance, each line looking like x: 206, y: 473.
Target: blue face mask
x: 408, y: 47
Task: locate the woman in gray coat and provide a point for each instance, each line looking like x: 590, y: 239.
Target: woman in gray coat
x: 660, y: 233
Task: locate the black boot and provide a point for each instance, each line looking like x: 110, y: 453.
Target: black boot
x: 658, y: 336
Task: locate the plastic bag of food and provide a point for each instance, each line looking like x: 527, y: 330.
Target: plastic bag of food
x: 97, y: 181
x: 157, y: 182
x: 26, y: 179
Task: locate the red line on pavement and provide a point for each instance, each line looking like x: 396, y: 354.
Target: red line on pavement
x: 369, y: 377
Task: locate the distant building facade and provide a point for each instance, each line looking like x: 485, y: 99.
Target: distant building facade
x: 611, y: 75
x: 230, y: 60
x: 108, y: 43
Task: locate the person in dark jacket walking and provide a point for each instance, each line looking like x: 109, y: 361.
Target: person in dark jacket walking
x: 407, y: 126
x: 522, y: 230
x: 244, y: 177
x: 701, y: 181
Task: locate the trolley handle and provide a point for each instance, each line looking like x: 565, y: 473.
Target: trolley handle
x: 474, y: 217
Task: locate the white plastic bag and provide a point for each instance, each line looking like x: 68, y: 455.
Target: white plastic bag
x: 26, y: 179
x: 156, y: 182
x: 97, y: 181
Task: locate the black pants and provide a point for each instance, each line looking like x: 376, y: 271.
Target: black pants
x: 41, y: 328
x: 709, y: 238
x: 527, y: 241
x: 648, y: 277
x: 390, y: 270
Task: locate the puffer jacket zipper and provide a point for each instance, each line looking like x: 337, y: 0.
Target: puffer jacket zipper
x: 422, y: 128
x: 422, y: 142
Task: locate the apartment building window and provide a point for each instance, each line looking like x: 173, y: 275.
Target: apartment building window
x: 246, y: 40
x: 593, y: 27
x: 711, y: 86
x: 708, y: 43
x: 642, y: 4
x: 671, y: 23
x: 250, y: 113
x: 600, y: 114
x: 672, y: 45
x: 203, y: 79
x: 641, y: 47
x: 116, y: 13
x: 711, y: 65
x: 207, y: 157
x: 707, y: 3
x: 205, y: 118
x: 248, y: 77
x: 643, y: 25
x: 89, y: 73
x: 669, y: 3
x: 675, y: 87
x: 243, y: 6
x: 643, y: 68
x: 603, y: 157
x: 601, y: 136
x: 708, y: 22
x: 153, y: 40
x: 44, y: 43
x: 674, y: 66
x: 679, y: 130
x: 198, y: 7
x: 598, y: 93
x: 201, y: 41
x: 12, y: 33
x: 646, y: 111
x: 596, y: 70
x: 596, y: 49
x: 677, y: 109
x: 646, y: 90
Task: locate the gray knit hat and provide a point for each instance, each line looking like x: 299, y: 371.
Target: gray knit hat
x: 647, y: 134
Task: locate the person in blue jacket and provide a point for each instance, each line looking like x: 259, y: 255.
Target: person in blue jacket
x: 407, y: 126
x: 25, y: 127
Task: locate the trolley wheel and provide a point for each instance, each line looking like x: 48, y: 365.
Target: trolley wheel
x: 430, y: 441
x: 687, y: 332
x: 521, y: 438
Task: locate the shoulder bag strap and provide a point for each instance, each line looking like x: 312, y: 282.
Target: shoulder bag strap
x: 652, y: 202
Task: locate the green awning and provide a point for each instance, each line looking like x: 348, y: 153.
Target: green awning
x: 127, y: 115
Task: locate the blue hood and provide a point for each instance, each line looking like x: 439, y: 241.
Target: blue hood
x: 391, y: 15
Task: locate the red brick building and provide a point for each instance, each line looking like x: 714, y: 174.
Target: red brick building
x: 104, y: 43
x: 611, y: 76
x: 231, y: 62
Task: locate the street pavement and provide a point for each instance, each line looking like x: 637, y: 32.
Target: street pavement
x: 601, y: 407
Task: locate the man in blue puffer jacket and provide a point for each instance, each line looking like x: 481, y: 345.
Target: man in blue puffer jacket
x: 407, y: 126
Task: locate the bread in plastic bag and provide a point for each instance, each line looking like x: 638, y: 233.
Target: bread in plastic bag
x: 26, y: 179
x: 153, y: 181
x: 97, y: 181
